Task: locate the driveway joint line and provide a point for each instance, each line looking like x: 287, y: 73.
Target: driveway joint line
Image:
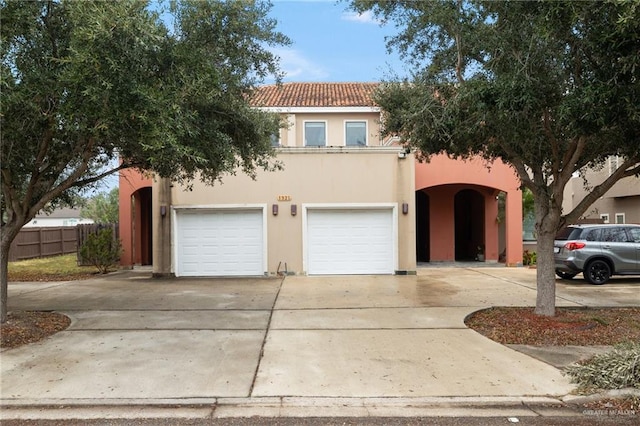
x: 264, y: 340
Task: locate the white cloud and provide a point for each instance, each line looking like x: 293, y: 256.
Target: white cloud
x: 297, y: 67
x: 363, y: 18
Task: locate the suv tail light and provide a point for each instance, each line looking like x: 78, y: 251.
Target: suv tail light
x: 574, y: 246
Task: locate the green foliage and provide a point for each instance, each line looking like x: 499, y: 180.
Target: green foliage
x: 102, y: 208
x: 529, y: 258
x: 548, y: 87
x: 101, y: 250
x: 527, y: 203
x: 83, y: 82
x: 617, y: 369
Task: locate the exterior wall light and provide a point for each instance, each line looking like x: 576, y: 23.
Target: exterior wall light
x: 405, y: 208
x: 294, y: 209
x: 274, y: 209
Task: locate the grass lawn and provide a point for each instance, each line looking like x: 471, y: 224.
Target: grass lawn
x: 56, y: 268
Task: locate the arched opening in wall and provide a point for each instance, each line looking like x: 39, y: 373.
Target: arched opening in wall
x: 502, y: 227
x: 469, y: 225
x: 423, y: 239
x: 142, y: 232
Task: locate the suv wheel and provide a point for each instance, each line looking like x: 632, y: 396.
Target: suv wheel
x: 597, y: 272
x: 565, y: 275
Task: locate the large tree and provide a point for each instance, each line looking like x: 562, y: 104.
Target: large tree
x: 551, y: 88
x: 102, y: 207
x: 85, y: 82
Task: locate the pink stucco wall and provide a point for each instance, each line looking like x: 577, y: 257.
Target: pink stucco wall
x: 442, y: 178
x: 130, y: 182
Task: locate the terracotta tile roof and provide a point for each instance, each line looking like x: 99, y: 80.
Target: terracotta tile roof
x: 315, y: 95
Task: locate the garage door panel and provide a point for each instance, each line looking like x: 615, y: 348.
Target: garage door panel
x: 216, y: 243
x: 350, y: 241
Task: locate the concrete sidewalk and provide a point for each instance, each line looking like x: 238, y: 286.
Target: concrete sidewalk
x: 344, y: 345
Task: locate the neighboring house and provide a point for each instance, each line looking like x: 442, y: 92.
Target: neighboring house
x: 57, y: 218
x: 621, y: 204
x: 346, y: 202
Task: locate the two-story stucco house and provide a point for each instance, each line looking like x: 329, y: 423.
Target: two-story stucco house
x: 346, y: 202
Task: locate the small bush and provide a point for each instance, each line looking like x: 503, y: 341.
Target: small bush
x: 617, y: 369
x: 102, y: 250
x: 529, y: 258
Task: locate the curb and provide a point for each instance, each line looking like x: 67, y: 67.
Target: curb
x: 272, y: 407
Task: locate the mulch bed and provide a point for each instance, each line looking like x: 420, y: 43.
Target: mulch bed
x: 570, y: 326
x: 24, y: 327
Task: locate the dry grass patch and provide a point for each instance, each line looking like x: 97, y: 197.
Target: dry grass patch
x: 56, y: 268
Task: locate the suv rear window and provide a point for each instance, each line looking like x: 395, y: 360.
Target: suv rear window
x: 568, y: 233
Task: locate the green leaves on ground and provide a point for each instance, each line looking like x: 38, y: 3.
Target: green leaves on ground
x: 617, y: 369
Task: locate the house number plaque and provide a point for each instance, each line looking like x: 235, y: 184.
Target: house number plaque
x: 284, y: 197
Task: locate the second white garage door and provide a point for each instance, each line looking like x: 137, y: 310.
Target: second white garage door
x: 350, y: 241
x: 219, y: 242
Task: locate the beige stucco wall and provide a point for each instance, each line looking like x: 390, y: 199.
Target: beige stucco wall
x: 340, y: 176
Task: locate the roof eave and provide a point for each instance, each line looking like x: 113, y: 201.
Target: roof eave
x: 315, y: 109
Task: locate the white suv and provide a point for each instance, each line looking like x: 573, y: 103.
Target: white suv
x: 598, y: 251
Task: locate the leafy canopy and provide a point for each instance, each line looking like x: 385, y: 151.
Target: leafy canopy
x: 551, y: 88
x: 84, y: 82
x: 102, y: 207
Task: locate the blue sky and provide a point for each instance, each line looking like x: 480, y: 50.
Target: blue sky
x: 330, y: 43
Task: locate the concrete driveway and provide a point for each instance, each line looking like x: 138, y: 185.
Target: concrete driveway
x: 134, y: 338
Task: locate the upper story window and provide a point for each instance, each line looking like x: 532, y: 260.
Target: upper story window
x: 275, y: 140
x: 614, y: 163
x: 355, y: 133
x: 315, y: 133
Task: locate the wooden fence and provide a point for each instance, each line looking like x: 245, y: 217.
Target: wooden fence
x: 43, y: 242
x: 53, y: 241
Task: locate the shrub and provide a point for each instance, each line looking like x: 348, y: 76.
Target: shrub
x: 102, y: 250
x: 617, y: 369
x: 529, y: 258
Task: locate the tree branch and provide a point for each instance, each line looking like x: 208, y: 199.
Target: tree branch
x: 518, y: 164
x: 459, y: 62
x: 630, y: 167
x: 96, y: 178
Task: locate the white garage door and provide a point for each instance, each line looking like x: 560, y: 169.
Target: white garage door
x: 219, y: 243
x: 354, y: 241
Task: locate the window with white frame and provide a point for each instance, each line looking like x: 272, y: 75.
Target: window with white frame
x: 604, y: 217
x: 315, y: 133
x: 620, y: 218
x: 614, y: 163
x: 275, y: 140
x: 355, y: 133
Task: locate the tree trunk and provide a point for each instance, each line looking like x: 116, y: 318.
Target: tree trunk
x: 545, y: 275
x: 548, y: 215
x: 4, y: 278
x: 9, y: 233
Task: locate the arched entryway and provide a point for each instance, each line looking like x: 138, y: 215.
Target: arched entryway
x: 469, y: 225
x: 142, y: 227
x: 423, y: 220
x: 135, y: 215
